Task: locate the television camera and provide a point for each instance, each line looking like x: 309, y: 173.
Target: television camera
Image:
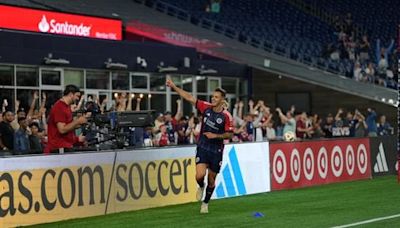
x: 112, y: 130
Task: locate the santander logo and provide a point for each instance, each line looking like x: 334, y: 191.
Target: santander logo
x: 44, y: 25
x: 63, y: 27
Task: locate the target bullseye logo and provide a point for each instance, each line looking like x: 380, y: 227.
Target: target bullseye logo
x: 279, y: 167
x: 337, y: 161
x: 308, y: 164
x: 295, y: 164
x: 362, y: 158
x: 350, y: 163
x: 322, y: 162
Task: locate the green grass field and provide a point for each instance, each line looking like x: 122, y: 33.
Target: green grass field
x: 323, y: 206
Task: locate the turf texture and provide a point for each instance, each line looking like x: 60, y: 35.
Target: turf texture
x: 321, y: 206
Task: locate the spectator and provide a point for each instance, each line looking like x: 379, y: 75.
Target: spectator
x: 327, y: 126
x: 248, y: 134
x: 129, y: 105
x: 302, y: 131
x: 35, y: 139
x: 270, y: 131
x: 351, y: 123
x: 370, y: 73
x: 350, y: 46
x: 172, y: 122
x: 21, y: 138
x: 103, y: 104
x: 238, y: 121
x: 162, y: 137
x: 20, y: 114
x: 316, y: 123
x: 361, y: 125
x: 238, y: 113
x: 121, y: 102
x: 357, y: 75
x: 364, y: 48
x: 181, y: 129
x: 382, y: 70
x: 148, y: 137
x: 32, y: 110
x: 263, y: 115
x: 158, y: 122
x: 340, y: 127
x: 384, y: 127
x: 371, y: 122
x: 6, y: 131
x: 383, y: 53
x: 193, y: 130
x: 288, y: 120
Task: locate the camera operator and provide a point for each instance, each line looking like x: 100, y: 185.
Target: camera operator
x: 61, y: 126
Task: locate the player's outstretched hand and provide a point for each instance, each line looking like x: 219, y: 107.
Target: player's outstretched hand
x: 210, y: 135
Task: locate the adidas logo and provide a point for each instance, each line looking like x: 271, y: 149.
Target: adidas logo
x: 232, y: 183
x: 381, y: 163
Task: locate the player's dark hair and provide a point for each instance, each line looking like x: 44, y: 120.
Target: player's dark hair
x: 221, y: 90
x: 71, y: 89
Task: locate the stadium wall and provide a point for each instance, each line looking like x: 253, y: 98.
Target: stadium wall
x: 42, y: 189
x: 244, y: 170
x: 309, y: 163
x: 383, y: 155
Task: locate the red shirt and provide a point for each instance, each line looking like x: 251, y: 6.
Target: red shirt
x: 163, y: 140
x: 300, y: 124
x: 60, y: 113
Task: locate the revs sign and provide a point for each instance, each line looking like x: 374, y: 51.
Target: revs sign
x: 59, y: 23
x: 303, y: 164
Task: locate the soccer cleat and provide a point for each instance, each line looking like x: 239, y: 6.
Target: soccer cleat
x: 204, y: 208
x: 199, y: 193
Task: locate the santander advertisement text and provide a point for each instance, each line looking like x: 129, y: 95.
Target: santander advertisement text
x: 59, y: 23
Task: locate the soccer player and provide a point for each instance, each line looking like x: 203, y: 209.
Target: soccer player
x: 217, y: 126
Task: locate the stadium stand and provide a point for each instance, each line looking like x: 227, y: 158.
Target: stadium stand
x: 300, y: 30
x: 280, y: 27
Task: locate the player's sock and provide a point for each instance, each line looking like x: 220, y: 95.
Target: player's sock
x: 209, y: 192
x: 201, y: 183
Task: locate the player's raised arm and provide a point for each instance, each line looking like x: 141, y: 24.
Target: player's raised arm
x: 185, y: 95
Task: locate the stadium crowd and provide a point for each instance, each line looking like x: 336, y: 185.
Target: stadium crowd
x: 377, y: 66
x: 25, y: 132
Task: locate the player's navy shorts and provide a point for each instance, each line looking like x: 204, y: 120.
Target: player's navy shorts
x: 213, y: 159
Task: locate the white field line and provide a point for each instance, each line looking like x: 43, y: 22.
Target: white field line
x: 368, y: 221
